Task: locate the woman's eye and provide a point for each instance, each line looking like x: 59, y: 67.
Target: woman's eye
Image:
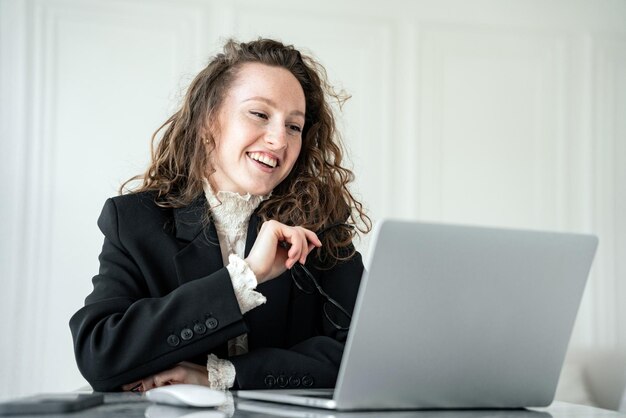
x: 295, y: 128
x: 259, y: 114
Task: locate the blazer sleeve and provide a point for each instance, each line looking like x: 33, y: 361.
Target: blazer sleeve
x: 124, y: 333
x: 315, y: 361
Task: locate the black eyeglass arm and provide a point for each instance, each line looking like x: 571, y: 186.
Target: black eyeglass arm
x: 323, y: 293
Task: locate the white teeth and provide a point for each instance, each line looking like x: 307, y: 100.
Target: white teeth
x: 265, y: 159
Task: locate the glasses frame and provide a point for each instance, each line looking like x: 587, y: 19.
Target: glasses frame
x: 311, y: 277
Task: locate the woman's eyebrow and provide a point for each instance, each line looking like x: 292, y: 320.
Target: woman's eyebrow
x: 273, y: 104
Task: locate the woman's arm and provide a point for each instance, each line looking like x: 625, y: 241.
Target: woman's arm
x: 312, y: 362
x: 124, y: 333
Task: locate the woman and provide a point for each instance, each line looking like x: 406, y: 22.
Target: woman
x: 232, y: 264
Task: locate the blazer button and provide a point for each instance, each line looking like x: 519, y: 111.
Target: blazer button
x: 307, y: 381
x: 282, y: 381
x: 294, y: 381
x: 186, y: 334
x: 199, y: 328
x: 173, y: 340
x: 211, y: 323
x: 270, y: 381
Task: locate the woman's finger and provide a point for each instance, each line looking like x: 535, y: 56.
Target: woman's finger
x: 147, y: 383
x: 132, y: 387
x: 304, y: 252
x: 295, y: 240
x: 312, y: 237
x: 301, y: 246
x: 162, y: 379
x: 308, y: 242
x: 171, y: 376
x: 191, y: 365
x: 300, y: 237
x: 290, y: 235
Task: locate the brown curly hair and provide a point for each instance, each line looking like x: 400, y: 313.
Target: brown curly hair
x: 314, y: 195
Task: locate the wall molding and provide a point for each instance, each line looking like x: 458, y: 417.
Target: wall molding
x: 608, y: 129
x: 37, y: 271
x: 13, y: 127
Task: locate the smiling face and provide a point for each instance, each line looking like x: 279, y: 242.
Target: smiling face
x: 259, y: 130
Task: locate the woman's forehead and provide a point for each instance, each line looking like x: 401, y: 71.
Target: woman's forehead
x: 272, y: 83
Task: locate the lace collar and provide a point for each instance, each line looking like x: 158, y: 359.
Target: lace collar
x: 231, y: 211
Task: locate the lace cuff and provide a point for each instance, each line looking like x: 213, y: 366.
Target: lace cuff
x: 221, y: 373
x: 244, y: 282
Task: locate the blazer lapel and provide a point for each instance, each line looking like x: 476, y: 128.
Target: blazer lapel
x: 202, y: 255
x: 253, y: 227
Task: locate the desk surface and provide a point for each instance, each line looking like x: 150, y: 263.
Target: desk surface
x: 128, y: 405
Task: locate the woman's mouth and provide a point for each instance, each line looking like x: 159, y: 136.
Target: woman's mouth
x: 264, y: 159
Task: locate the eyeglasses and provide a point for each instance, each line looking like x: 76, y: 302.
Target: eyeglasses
x: 304, y: 280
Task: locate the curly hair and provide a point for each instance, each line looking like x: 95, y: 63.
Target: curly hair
x: 314, y: 195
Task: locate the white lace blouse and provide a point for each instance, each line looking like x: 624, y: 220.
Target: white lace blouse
x: 231, y: 213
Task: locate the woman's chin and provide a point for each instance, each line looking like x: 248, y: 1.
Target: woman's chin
x: 259, y: 190
x: 263, y: 192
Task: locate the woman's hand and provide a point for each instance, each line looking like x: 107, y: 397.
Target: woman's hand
x: 278, y: 247
x: 184, y: 372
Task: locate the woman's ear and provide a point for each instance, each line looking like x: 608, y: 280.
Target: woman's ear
x: 209, y: 132
x: 204, y: 135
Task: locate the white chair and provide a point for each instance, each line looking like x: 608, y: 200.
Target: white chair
x: 605, y: 373
x: 595, y: 377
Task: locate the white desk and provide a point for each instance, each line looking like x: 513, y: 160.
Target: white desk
x: 128, y: 405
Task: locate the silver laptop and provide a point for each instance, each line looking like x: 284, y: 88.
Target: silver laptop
x: 273, y: 409
x: 454, y: 316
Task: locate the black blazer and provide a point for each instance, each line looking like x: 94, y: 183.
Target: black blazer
x: 163, y: 296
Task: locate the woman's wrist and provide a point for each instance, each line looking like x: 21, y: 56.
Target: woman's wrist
x: 252, y: 265
x: 244, y: 282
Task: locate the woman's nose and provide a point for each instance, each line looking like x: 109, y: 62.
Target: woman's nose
x: 276, y: 137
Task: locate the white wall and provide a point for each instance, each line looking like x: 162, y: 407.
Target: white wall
x: 496, y: 112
